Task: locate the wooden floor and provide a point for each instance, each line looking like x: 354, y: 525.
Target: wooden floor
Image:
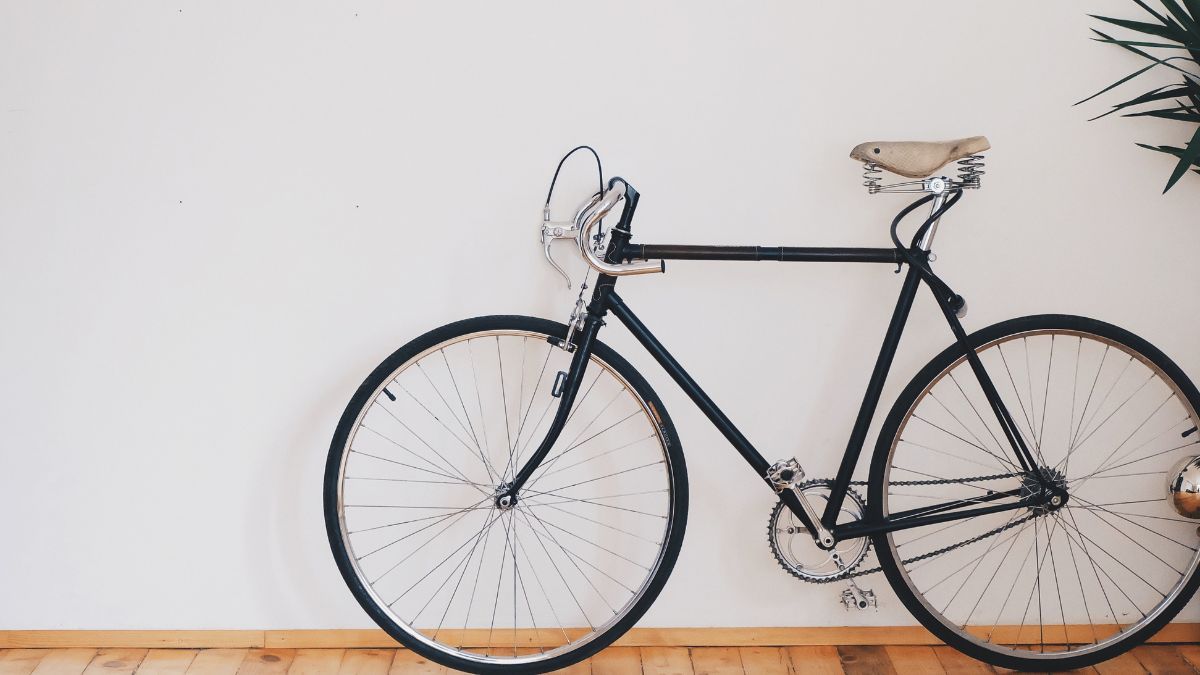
x: 1164, y: 659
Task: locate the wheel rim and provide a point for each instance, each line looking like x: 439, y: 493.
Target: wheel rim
x: 436, y: 439
x: 1110, y: 424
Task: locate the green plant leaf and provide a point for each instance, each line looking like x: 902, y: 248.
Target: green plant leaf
x: 1190, y: 20
x: 1186, y: 160
x: 1179, y: 105
x: 1169, y: 150
x: 1164, y: 92
x: 1118, y: 83
x: 1164, y: 62
x: 1136, y: 43
x: 1175, y: 33
x: 1131, y: 48
x: 1181, y: 15
x: 1153, y: 13
x: 1178, y: 28
x: 1182, y: 114
x: 1193, y: 8
x: 1166, y: 149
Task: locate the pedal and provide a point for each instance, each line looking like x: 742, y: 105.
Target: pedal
x: 785, y: 474
x: 858, y: 598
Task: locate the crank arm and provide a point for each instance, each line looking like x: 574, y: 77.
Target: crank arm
x: 809, y: 517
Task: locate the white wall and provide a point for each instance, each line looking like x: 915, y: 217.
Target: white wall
x: 217, y: 217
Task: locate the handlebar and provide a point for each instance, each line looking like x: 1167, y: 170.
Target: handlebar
x: 592, y: 213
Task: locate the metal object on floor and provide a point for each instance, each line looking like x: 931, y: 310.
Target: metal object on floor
x: 1183, y: 489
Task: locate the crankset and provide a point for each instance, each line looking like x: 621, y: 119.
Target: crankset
x: 795, y: 550
x: 794, y: 547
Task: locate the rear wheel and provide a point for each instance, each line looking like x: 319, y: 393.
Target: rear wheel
x: 419, y: 457
x: 1107, y: 417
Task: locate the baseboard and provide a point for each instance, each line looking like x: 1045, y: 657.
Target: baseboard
x: 638, y: 637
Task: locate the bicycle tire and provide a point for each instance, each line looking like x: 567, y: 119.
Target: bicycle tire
x: 335, y: 474
x: 969, y: 640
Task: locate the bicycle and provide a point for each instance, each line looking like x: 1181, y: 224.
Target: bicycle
x: 508, y: 494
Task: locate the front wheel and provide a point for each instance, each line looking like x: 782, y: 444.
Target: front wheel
x: 1107, y: 417
x: 420, y: 456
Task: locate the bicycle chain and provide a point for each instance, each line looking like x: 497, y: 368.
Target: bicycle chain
x: 854, y: 574
x: 944, y: 481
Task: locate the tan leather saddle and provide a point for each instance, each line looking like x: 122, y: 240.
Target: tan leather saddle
x: 918, y: 159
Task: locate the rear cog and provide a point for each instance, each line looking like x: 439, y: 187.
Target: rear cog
x: 795, y: 549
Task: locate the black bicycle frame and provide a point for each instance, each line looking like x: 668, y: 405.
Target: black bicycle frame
x: 605, y: 299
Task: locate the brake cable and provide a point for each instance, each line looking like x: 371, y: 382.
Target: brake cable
x: 599, y: 172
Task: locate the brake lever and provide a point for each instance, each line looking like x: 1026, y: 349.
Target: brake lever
x: 552, y: 230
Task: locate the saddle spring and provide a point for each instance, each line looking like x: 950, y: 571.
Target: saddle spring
x: 872, y: 177
x: 969, y: 171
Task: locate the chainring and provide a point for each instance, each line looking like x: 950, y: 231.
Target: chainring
x: 794, y: 548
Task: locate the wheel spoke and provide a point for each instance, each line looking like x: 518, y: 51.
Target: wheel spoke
x: 986, y: 426
x: 1020, y: 402
x: 1049, y: 580
x: 493, y: 585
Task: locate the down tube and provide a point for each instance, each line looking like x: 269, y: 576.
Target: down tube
x: 858, y: 435
x: 689, y: 386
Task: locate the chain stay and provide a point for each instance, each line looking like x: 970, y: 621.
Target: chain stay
x: 853, y: 574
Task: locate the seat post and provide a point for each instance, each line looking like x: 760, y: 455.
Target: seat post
x: 938, y: 187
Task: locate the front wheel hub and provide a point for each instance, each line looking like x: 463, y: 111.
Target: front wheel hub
x: 505, y: 498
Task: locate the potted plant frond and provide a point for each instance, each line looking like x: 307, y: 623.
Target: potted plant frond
x: 1171, y: 40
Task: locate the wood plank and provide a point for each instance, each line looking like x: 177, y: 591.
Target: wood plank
x: 768, y: 636
x: 367, y: 661
x: 267, y: 662
x: 764, y: 660
x: 20, y: 661
x: 217, y: 662
x: 613, y: 661
x: 617, y: 661
x: 1162, y: 660
x: 638, y: 637
x: 865, y: 660
x: 316, y: 662
x: 955, y: 662
x: 717, y: 661
x: 1191, y: 654
x: 50, y: 639
x: 914, y: 659
x: 167, y: 662
x: 408, y: 662
x: 815, y: 660
x: 315, y: 639
x: 666, y: 661
x: 1124, y: 664
x: 120, y: 661
x: 65, y: 662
